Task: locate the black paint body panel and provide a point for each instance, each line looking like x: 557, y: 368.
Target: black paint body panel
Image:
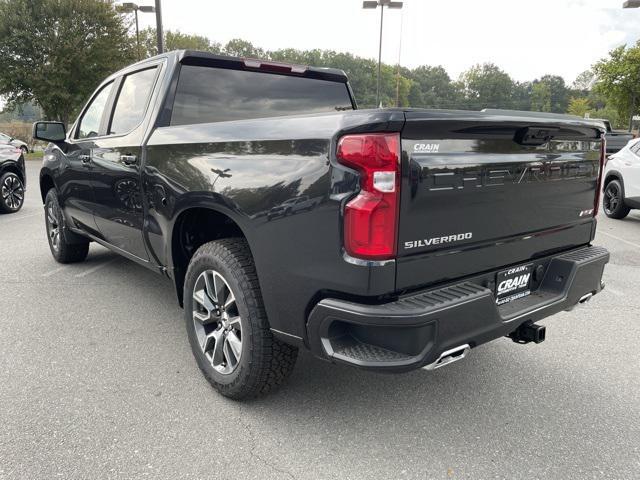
x: 473, y: 199
x: 223, y: 166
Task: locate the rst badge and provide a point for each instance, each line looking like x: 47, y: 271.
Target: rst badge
x: 586, y: 213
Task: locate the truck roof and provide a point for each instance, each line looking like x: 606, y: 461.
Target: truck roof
x: 195, y: 57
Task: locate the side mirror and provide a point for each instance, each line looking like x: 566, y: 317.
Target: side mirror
x: 54, y: 132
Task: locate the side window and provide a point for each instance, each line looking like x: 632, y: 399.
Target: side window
x: 90, y: 122
x: 132, y: 101
x: 636, y: 149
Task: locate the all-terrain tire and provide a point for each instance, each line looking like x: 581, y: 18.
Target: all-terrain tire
x: 265, y: 362
x: 62, y: 250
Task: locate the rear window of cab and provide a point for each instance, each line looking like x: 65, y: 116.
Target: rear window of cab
x: 209, y: 94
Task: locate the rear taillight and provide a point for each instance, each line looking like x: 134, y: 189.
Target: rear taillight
x: 371, y: 218
x: 603, y: 163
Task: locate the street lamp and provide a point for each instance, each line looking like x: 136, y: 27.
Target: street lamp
x: 133, y: 7
x: 373, y: 5
x: 632, y: 4
x: 159, y: 32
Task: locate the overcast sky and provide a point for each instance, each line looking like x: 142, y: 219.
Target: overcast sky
x: 527, y: 38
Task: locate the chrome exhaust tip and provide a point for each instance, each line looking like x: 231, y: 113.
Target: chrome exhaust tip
x: 585, y: 298
x: 449, y: 357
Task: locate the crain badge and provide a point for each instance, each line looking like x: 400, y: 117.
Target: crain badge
x: 426, y: 147
x: 438, y: 240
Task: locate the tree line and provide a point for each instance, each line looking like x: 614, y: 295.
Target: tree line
x: 70, y: 46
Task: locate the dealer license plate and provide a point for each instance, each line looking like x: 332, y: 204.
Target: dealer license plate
x: 513, y: 284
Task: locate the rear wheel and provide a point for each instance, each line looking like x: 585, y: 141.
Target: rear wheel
x: 613, y: 201
x: 62, y: 250
x: 227, y: 325
x: 11, y: 193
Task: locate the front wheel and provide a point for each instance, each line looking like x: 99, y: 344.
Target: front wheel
x: 11, y: 193
x: 62, y: 250
x: 227, y: 325
x: 613, y: 201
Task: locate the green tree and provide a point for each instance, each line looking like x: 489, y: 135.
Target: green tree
x: 486, y: 86
x: 66, y: 50
x: 521, y: 97
x: 549, y: 94
x: 584, y: 81
x: 403, y: 89
x: 174, y: 40
x: 431, y: 87
x: 619, y: 79
x: 610, y: 113
x: 579, y: 106
x: 242, y: 48
x: 540, y: 97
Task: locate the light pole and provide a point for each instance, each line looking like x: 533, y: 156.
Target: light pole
x: 159, y: 31
x: 373, y: 5
x: 133, y: 7
x: 632, y: 4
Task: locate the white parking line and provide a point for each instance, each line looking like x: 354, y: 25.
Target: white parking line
x: 53, y: 272
x: 94, y: 269
x: 637, y: 245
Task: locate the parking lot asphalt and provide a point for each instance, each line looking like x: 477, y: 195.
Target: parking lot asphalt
x: 97, y: 381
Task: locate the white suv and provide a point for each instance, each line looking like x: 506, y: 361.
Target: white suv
x: 622, y: 181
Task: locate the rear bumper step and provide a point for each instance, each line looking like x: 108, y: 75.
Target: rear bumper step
x: 437, y: 327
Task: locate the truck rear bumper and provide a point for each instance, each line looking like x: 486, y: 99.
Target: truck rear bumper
x: 420, y: 329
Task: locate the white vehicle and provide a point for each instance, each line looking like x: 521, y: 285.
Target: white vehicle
x: 621, y: 184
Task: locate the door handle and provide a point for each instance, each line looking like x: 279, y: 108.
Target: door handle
x: 85, y: 159
x: 129, y: 159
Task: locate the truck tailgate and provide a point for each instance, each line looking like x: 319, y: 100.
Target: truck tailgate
x: 496, y: 190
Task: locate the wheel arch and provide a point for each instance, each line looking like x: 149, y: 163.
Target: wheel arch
x: 46, y: 184
x: 613, y: 175
x: 193, y: 227
x: 13, y: 168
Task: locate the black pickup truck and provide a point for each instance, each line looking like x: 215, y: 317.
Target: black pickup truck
x: 424, y: 234
x: 616, y: 140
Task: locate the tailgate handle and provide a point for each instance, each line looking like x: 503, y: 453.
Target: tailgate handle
x: 535, y: 135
